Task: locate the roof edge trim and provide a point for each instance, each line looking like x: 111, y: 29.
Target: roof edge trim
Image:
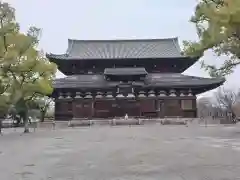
x: 70, y: 40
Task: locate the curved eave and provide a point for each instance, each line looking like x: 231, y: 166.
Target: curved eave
x: 189, y: 61
x: 59, y: 57
x: 183, y: 63
x: 205, y: 88
x: 56, y: 57
x: 199, y: 87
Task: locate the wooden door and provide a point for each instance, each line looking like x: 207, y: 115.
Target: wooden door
x: 103, y: 109
x: 129, y: 107
x: 172, y: 108
x: 83, y: 109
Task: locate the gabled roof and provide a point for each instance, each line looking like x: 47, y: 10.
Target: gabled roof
x: 125, y: 71
x: 121, y: 49
x: 163, y: 80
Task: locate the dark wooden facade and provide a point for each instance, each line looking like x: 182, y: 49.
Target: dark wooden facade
x: 141, y: 78
x: 171, y: 107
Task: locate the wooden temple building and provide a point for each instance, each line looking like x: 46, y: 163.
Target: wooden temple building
x: 143, y: 78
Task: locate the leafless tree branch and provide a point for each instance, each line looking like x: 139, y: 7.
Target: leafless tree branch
x: 226, y: 98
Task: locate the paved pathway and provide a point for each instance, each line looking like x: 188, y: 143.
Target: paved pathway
x: 122, y: 152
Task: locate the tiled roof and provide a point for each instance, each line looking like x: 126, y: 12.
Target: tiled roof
x: 152, y: 80
x: 125, y: 71
x: 119, y: 49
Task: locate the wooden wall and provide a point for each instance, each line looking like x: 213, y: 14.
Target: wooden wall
x: 118, y: 108
x: 63, y: 110
x: 82, y: 109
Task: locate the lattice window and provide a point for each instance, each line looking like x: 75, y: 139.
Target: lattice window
x: 186, y: 104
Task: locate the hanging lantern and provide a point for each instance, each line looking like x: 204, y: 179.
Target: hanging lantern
x: 88, y: 96
x: 162, y: 94
x: 141, y: 94
x: 182, y: 93
x: 130, y: 95
x: 60, y: 96
x: 190, y: 92
x: 120, y: 96
x: 151, y: 94
x: 109, y: 95
x: 99, y: 95
x: 172, y: 93
x: 68, y: 96
x: 78, y: 95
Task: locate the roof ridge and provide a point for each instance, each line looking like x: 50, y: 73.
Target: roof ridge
x: 123, y: 40
x: 213, y: 78
x: 123, y: 48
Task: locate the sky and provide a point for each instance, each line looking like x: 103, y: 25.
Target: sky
x: 112, y: 19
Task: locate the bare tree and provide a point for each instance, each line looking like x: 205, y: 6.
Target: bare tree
x: 204, y: 107
x: 236, y: 107
x: 44, y: 104
x: 226, y: 99
x: 207, y: 108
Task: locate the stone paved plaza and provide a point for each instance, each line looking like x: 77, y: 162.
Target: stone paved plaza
x: 147, y: 152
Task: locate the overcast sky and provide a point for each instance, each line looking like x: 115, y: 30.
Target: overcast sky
x: 111, y: 19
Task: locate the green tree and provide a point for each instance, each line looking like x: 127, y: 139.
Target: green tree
x: 3, y: 109
x: 218, y: 27
x: 44, y: 104
x: 26, y: 72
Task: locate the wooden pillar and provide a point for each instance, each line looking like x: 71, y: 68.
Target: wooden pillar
x: 158, y: 107
x: 70, y: 108
x: 162, y: 108
x: 141, y: 107
x: 194, y: 103
x: 73, y: 108
x: 92, y: 108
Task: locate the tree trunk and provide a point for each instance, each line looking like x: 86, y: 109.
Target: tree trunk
x: 26, y: 123
x: 0, y: 126
x: 26, y: 126
x: 42, y: 115
x: 233, y: 117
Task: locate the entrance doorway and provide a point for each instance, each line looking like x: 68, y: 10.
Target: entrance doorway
x: 129, y: 107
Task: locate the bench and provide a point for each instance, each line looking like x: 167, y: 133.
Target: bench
x: 78, y: 123
x: 115, y: 122
x: 176, y: 120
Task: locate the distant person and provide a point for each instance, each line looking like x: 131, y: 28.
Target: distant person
x: 114, y: 121
x: 201, y: 119
x: 53, y: 124
x: 126, y: 117
x: 70, y: 123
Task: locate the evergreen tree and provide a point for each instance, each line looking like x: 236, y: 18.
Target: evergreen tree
x: 218, y: 27
x: 25, y: 73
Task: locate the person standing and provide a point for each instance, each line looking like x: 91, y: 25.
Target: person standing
x: 70, y: 123
x: 126, y: 117
x: 53, y: 124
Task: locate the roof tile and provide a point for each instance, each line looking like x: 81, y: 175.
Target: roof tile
x: 156, y: 80
x: 117, y: 49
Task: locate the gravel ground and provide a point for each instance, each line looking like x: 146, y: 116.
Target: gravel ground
x: 115, y: 153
